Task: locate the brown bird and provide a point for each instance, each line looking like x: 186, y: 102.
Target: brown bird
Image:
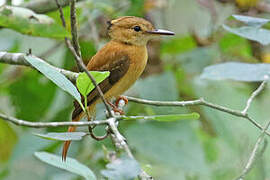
x: 125, y: 56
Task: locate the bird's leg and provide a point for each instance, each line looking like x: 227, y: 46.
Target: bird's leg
x: 115, y: 108
x: 119, y: 99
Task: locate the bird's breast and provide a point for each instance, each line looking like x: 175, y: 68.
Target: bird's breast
x: 138, y: 60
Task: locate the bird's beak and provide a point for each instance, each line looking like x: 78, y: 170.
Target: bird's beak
x: 161, y: 32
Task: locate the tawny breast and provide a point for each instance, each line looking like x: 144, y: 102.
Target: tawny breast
x: 138, y: 60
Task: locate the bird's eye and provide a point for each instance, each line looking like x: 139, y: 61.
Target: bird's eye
x: 137, y: 28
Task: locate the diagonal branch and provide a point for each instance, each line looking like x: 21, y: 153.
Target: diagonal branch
x: 256, y: 153
x: 78, y: 59
x: 254, y: 94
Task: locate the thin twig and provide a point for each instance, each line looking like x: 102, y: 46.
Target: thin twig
x: 73, y: 25
x: 201, y: 102
x: 79, y: 61
x: 67, y: 41
x: 18, y: 59
x: 61, y: 14
x: 91, y: 128
x: 80, y: 64
x: 49, y: 124
x: 253, y: 95
x: 255, y: 153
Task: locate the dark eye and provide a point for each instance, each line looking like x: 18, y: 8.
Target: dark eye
x: 137, y: 28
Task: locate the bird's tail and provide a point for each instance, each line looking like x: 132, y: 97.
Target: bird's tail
x: 77, y: 117
x: 67, y: 143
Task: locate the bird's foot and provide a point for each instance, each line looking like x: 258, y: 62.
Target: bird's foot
x: 119, y: 99
x: 115, y: 108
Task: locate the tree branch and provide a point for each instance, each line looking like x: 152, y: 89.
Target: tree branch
x: 254, y: 94
x: 203, y: 102
x: 256, y: 153
x: 73, y: 25
x: 49, y: 124
x: 18, y: 59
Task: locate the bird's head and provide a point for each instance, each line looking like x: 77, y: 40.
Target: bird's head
x: 134, y: 30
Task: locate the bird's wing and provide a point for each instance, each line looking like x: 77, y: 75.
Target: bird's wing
x: 117, y: 63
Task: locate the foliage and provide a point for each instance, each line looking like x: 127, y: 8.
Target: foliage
x: 253, y: 31
x: 123, y: 168
x: 27, y: 22
x: 84, y: 83
x: 58, y: 78
x: 71, y: 165
x: 246, y: 72
x: 74, y: 136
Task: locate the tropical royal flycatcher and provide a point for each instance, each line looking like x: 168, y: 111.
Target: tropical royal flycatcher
x: 124, y: 56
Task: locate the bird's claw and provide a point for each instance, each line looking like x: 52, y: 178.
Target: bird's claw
x: 119, y: 99
x: 115, y: 108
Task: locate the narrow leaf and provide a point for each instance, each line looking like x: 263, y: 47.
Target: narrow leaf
x: 70, y: 164
x: 237, y: 71
x: 123, y: 168
x: 84, y: 83
x: 59, y: 79
x: 252, y: 33
x: 166, y: 118
x: 68, y: 136
x: 27, y: 22
x: 251, y: 21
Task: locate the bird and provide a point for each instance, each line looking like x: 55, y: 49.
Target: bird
x: 124, y: 56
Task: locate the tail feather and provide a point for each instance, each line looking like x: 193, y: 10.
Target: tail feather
x: 91, y: 110
x: 67, y: 143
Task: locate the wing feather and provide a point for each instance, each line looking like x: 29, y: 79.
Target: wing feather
x: 117, y: 67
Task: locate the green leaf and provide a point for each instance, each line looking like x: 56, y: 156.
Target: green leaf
x: 166, y: 118
x: 260, y: 35
x: 253, y: 30
x: 251, y: 21
x: 237, y: 71
x: 68, y: 136
x: 59, y: 79
x: 27, y: 22
x: 70, y: 164
x: 84, y: 83
x: 122, y: 169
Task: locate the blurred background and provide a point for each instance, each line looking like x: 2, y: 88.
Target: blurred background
x: 215, y: 147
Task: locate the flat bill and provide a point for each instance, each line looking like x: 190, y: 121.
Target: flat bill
x: 161, y: 32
